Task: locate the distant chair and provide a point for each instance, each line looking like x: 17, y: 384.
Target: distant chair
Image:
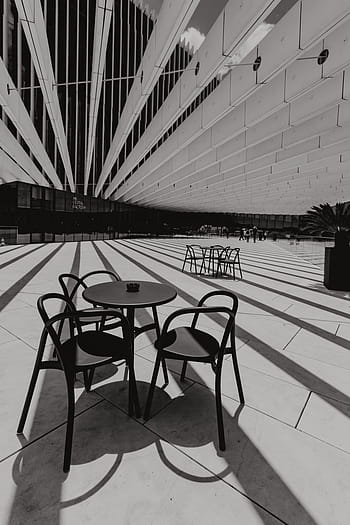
x: 194, y: 254
x: 188, y: 343
x: 78, y: 351
x: 228, y: 259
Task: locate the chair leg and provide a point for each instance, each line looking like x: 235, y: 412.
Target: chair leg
x: 31, y: 389
x: 236, y: 371
x: 183, y: 371
x: 219, y: 416
x: 152, y: 386
x: 88, y: 377
x: 70, y: 423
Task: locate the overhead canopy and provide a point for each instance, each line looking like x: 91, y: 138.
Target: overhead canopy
x: 256, y: 120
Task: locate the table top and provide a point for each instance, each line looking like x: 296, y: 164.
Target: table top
x: 115, y: 294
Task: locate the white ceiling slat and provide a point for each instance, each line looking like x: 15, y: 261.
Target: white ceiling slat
x: 14, y: 107
x: 164, y: 37
x: 32, y: 20
x: 10, y: 144
x: 10, y: 171
x: 103, y: 18
x: 253, y: 114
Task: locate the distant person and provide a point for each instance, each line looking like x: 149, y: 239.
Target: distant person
x: 265, y: 235
x: 255, y: 232
x: 260, y: 235
x: 241, y: 234
x: 247, y: 235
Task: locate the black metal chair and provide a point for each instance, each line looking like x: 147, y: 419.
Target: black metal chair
x: 227, y: 260
x: 188, y: 343
x: 81, y: 351
x: 71, y: 285
x: 194, y: 254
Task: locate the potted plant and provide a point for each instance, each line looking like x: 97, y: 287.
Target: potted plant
x: 334, y: 220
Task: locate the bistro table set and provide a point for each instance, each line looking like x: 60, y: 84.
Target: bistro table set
x: 104, y: 332
x: 215, y: 260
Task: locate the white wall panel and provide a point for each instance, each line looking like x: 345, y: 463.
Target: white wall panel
x: 269, y: 126
x: 337, y: 135
x: 265, y: 147
x: 234, y: 161
x: 298, y: 149
x: 328, y: 93
x: 243, y: 79
x: 303, y: 73
x: 208, y: 54
x: 280, y: 45
x: 338, y: 44
x: 188, y: 82
x: 200, y: 145
x: 206, y: 160
x: 230, y: 124
x: 317, y: 16
x: 231, y: 146
x: 269, y: 97
x: 241, y: 17
x: 170, y: 106
x: 311, y: 127
x: 190, y: 127
x: 217, y: 103
x: 257, y: 164
x: 344, y: 113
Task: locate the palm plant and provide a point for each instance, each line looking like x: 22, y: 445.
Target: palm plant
x: 329, y: 219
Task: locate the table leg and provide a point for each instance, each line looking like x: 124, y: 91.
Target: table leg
x: 157, y: 328
x: 130, y: 314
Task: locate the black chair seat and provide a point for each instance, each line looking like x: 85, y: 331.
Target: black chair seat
x: 93, y: 348
x: 188, y: 343
x: 95, y: 319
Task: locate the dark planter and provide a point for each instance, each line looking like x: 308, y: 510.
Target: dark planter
x: 337, y: 268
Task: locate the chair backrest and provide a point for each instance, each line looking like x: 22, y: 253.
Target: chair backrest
x: 194, y: 251
x: 71, y: 283
x: 230, y: 253
x: 68, y: 316
x: 229, y: 328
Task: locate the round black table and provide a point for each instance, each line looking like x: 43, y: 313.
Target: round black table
x: 116, y: 295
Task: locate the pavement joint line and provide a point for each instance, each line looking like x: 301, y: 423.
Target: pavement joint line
x: 193, y: 460
x: 291, y: 339
x: 327, y: 443
x: 303, y: 410
x: 290, y: 352
x: 46, y: 433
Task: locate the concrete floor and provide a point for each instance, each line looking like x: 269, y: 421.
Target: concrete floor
x: 288, y: 449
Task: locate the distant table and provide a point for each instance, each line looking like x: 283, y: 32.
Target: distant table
x: 211, y: 253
